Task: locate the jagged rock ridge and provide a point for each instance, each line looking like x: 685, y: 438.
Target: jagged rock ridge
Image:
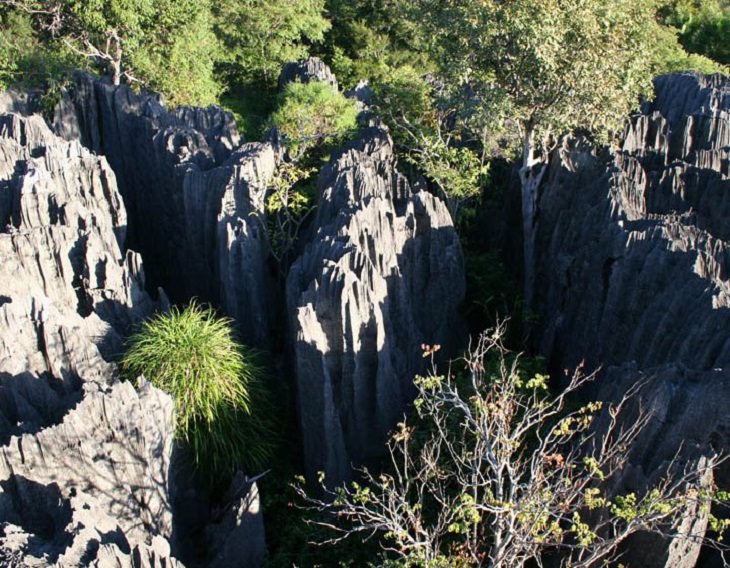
x: 633, y: 264
x: 382, y: 275
x: 76, y: 478
x: 96, y: 481
x: 194, y: 194
x: 386, y: 257
x: 68, y: 291
x: 197, y: 207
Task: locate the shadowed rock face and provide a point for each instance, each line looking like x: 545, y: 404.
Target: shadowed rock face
x: 193, y: 192
x: 633, y: 270
x: 382, y: 275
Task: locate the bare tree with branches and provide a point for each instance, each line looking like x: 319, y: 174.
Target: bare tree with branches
x: 499, y: 473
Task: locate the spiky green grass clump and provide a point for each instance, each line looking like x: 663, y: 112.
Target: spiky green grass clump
x: 216, y: 384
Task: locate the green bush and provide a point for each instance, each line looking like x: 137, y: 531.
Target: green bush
x: 698, y: 30
x: 311, y: 113
x: 215, y: 382
x: 26, y: 61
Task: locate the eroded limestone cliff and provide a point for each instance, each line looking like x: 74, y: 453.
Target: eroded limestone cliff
x: 633, y: 272
x: 382, y: 275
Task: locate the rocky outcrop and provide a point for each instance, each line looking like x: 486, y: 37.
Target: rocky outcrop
x: 382, y: 275
x: 87, y: 476
x: 98, y: 479
x: 194, y: 194
x: 633, y: 244
x: 634, y: 264
x: 68, y: 294
x: 311, y: 69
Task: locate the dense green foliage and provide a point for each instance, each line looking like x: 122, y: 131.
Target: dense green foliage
x: 704, y: 26
x: 259, y: 36
x: 194, y: 50
x: 312, y: 113
x: 180, y: 52
x: 370, y: 38
x: 545, y: 67
x: 25, y: 60
x: 430, y: 135
x: 311, y: 118
x: 216, y: 383
x: 165, y: 45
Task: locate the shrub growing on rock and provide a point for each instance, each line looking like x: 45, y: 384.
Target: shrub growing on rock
x: 312, y: 113
x: 216, y: 384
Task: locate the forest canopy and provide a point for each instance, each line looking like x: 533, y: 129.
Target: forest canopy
x: 194, y: 51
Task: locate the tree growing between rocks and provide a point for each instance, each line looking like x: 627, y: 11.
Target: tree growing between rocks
x: 310, y: 118
x: 498, y: 472
x: 541, y: 70
x: 428, y: 131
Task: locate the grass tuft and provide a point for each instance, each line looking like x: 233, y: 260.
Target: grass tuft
x: 216, y: 383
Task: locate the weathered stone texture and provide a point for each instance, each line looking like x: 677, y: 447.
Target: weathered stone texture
x: 67, y: 292
x: 633, y: 268
x: 382, y: 275
x: 97, y: 478
x: 194, y: 194
x: 311, y: 69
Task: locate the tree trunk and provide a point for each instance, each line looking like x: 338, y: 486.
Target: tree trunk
x: 531, y: 174
x: 116, y: 62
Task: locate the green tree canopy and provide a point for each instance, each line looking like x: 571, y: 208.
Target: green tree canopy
x: 538, y: 70
x: 704, y: 26
x: 259, y: 36
x: 24, y: 58
x: 168, y: 46
x: 312, y: 113
x: 368, y: 39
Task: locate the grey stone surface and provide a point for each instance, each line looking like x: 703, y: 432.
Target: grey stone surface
x: 236, y: 537
x: 86, y: 468
x: 311, y: 69
x: 93, y: 487
x: 382, y: 275
x: 194, y: 195
x: 633, y: 262
x: 83, y: 465
x: 67, y: 291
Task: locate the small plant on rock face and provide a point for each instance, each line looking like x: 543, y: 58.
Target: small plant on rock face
x: 216, y: 384
x: 289, y: 207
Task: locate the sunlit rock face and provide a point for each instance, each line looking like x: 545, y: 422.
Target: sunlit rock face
x: 93, y: 488
x: 68, y: 291
x: 382, y: 275
x: 84, y: 464
x: 633, y: 268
